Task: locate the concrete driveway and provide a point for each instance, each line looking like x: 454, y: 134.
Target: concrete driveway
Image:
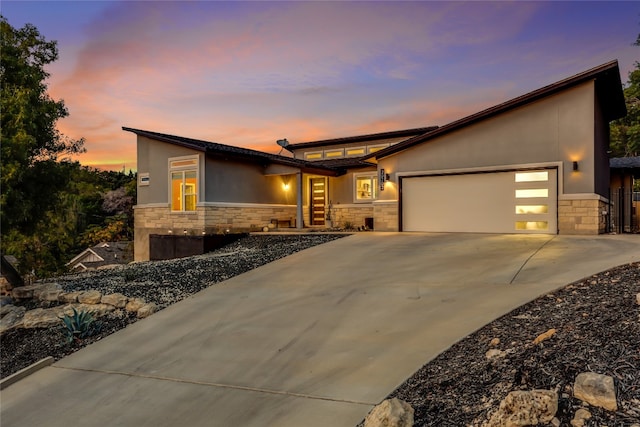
x: 315, y: 339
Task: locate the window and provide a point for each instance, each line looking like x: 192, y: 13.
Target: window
x: 375, y: 148
x: 531, y: 209
x: 532, y: 225
x: 333, y: 154
x: 184, y: 184
x: 356, y: 151
x: 366, y: 187
x: 532, y: 176
x: 315, y: 155
x: 532, y: 193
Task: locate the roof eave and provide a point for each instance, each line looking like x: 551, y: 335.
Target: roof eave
x: 360, y: 138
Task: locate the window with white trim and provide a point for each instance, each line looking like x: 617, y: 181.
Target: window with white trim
x: 366, y: 187
x: 183, y: 174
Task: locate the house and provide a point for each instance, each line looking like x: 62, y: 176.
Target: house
x: 535, y: 164
x: 102, y: 255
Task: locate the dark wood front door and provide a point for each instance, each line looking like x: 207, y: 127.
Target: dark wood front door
x: 317, y: 197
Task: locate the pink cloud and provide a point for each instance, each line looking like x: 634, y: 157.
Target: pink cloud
x: 249, y: 73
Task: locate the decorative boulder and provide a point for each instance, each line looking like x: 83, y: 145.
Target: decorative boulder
x: 390, y: 413
x: 134, y: 305
x: 596, y: 389
x: 11, y: 317
x: 69, y: 296
x: 146, y: 310
x: 525, y: 408
x: 89, y: 297
x: 117, y: 300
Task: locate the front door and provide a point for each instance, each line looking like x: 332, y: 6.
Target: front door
x: 316, y: 203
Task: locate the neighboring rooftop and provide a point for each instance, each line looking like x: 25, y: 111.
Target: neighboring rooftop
x: 102, y: 254
x: 625, y: 163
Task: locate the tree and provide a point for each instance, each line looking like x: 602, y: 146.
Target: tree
x: 31, y: 177
x: 625, y: 132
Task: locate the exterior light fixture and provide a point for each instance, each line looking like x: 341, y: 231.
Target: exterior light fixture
x: 285, y: 186
x: 575, y: 166
x: 170, y: 232
x: 184, y: 232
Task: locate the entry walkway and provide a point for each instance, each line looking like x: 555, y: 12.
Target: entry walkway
x: 314, y: 339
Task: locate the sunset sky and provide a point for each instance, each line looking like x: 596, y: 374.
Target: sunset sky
x: 250, y: 73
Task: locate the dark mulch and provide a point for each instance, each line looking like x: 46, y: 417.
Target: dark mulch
x: 598, y: 330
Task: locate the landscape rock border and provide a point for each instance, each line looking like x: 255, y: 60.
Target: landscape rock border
x: 91, y: 301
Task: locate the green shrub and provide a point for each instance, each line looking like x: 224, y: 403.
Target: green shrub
x: 79, y: 325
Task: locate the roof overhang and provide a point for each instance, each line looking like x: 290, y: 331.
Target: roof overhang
x: 361, y: 138
x: 228, y: 152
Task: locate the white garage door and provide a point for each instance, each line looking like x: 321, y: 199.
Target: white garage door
x: 496, y: 202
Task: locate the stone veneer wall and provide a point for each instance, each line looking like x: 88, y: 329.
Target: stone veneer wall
x: 385, y: 216
x: 353, y: 214
x: 582, y: 216
x: 209, y: 219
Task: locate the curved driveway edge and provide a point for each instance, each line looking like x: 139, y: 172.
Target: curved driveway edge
x: 314, y: 339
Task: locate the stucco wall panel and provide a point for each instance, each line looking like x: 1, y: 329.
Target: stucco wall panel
x: 557, y: 128
x: 153, y: 158
x: 236, y: 182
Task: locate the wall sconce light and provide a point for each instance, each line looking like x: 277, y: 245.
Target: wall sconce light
x: 387, y: 177
x: 285, y: 186
x: 184, y: 232
x: 575, y: 166
x: 170, y: 231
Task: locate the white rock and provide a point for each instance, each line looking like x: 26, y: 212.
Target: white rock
x: 117, y: 300
x: 134, y: 305
x: 596, y: 389
x: 90, y: 297
x: 146, y: 310
x: 12, y: 317
x: 69, y: 296
x: 525, y: 408
x: 42, y: 318
x: 390, y: 413
x: 580, y: 417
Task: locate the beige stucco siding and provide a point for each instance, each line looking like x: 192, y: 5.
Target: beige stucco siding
x: 559, y: 128
x: 153, y: 158
x: 235, y: 182
x: 601, y: 156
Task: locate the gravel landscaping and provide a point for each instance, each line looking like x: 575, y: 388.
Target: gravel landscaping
x: 597, y: 329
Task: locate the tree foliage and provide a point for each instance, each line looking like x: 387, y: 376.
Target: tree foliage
x: 47, y: 202
x: 625, y: 132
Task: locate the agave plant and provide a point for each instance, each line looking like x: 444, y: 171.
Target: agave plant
x: 79, y: 325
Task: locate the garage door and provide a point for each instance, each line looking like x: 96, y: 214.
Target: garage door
x: 496, y: 202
